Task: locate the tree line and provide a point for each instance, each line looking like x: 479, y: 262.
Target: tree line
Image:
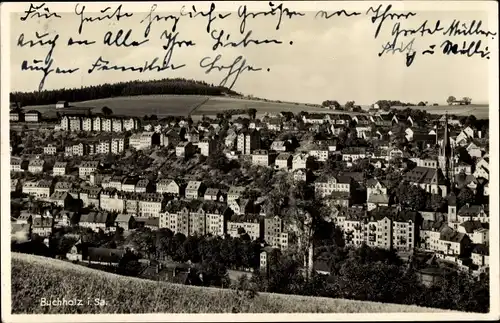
x: 131, y: 88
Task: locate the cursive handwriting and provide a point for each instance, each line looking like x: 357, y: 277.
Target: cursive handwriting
x: 473, y: 29
x: 234, y: 70
x: 118, y: 41
x: 116, y: 14
x: 382, y: 16
x: 468, y: 49
x: 33, y: 12
x: 104, y: 65
x: 150, y: 18
x: 275, y: 10
x: 245, y: 41
x: 326, y: 15
x: 172, y: 42
x: 40, y: 42
x: 210, y: 14
x: 391, y: 48
x: 71, y: 42
x: 44, y: 66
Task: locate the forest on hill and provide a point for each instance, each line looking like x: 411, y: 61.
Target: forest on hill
x: 178, y: 86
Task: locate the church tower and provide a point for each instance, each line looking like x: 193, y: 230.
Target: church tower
x: 445, y: 152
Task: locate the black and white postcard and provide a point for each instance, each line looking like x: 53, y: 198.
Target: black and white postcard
x: 249, y: 161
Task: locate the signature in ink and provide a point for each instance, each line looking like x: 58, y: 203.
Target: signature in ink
x: 150, y: 18
x: 116, y: 14
x: 245, y: 41
x: 44, y: 66
x: 468, y: 30
x: 392, y: 48
x: 275, y: 10
x: 33, y: 12
x: 234, y: 70
x: 382, y: 16
x: 210, y: 14
x: 468, y: 49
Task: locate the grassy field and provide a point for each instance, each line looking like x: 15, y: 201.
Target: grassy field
x: 196, y: 106
x: 179, y: 105
x: 480, y: 111
x: 35, y: 277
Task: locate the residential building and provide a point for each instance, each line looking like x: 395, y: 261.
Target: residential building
x: 97, y: 221
x: 262, y: 157
x: 50, y: 149
x: 36, y: 166
x: 117, y: 125
x: 238, y: 226
x: 185, y: 149
x: 60, y: 198
x: 32, y: 116
x: 42, y: 226
x: 150, y: 204
x: 86, y: 168
x: 301, y: 161
x: 274, y: 233
x: 248, y: 141
x: 125, y: 221
x: 207, y: 146
x: 63, y: 186
x: 283, y: 161
x: 235, y: 192
x: 432, y: 180
x: 323, y: 188
x: 169, y: 186
x: 194, y: 189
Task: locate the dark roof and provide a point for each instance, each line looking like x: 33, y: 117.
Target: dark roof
x: 471, y: 210
x: 105, y: 254
x: 481, y: 249
x: 471, y: 226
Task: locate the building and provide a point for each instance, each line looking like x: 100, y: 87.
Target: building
x: 213, y: 194
x: 194, y: 189
x: 60, y: 198
x: 118, y: 145
x: 16, y: 164
x: 248, y: 141
x: 97, y: 221
x: 86, y: 168
x: 262, y: 157
x: 42, y: 226
x: 185, y: 149
x: 117, y: 125
x: 283, y: 161
x: 354, y: 153
x: 112, y: 200
x: 476, y: 230
x: 106, y: 125
x: 239, y: 226
x: 144, y: 185
x: 323, y: 188
x: 432, y: 180
x: 235, y: 192
x: 36, y: 166
x: 63, y: 186
x: 32, y: 116
x: 150, y: 204
x: 50, y: 149
x: 274, y: 233
x: 207, y: 146
x: 169, y: 186
x: 125, y: 221
x: 62, y: 104
x: 301, y: 161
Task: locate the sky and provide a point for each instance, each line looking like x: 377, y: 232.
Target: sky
x: 334, y: 58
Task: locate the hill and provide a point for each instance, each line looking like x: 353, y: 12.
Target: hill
x: 180, y: 105
x: 34, y: 277
x: 480, y: 111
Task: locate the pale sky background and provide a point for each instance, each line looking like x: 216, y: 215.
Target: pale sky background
x: 329, y: 59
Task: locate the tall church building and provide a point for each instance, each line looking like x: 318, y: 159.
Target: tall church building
x: 445, y: 156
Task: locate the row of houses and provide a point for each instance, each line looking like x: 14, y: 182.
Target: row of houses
x: 30, y: 116
x: 98, y: 123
